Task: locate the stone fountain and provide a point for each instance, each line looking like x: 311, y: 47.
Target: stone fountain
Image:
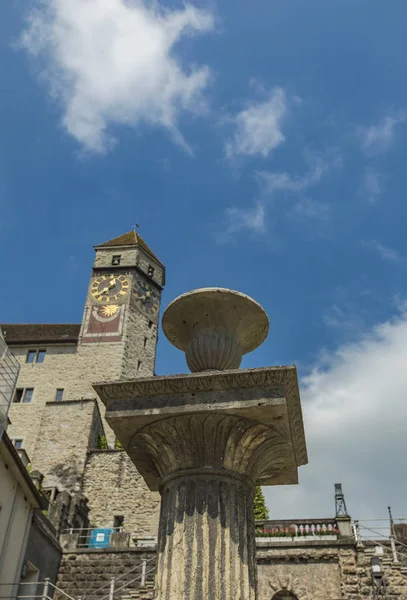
x: 204, y: 440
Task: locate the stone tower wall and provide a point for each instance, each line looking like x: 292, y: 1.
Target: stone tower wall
x: 113, y: 486
x: 139, y: 344
x: 130, y: 257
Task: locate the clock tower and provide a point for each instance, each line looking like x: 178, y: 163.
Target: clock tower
x: 120, y: 322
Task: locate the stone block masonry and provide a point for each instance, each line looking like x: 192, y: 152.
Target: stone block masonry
x: 67, y: 431
x: 87, y: 573
x: 113, y: 486
x: 325, y: 571
x: 317, y: 570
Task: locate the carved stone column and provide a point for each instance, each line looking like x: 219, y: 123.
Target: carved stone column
x: 205, y: 440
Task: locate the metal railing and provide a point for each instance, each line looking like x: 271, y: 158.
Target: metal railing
x: 366, y: 536
x: 35, y: 589
x: 99, y: 537
x: 45, y: 590
x: 9, y: 369
x: 114, y: 590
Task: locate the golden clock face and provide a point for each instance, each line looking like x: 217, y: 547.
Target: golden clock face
x: 109, y: 288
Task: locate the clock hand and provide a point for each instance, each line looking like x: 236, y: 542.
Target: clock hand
x: 106, y: 289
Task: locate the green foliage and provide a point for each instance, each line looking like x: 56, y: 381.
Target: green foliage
x: 102, y: 442
x: 260, y: 509
x: 118, y: 445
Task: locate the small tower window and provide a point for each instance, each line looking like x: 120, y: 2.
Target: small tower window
x: 118, y: 522
x: 59, y: 395
x: 145, y: 342
x: 138, y: 365
x: 150, y: 324
x: 18, y: 443
x: 116, y: 260
x: 150, y: 271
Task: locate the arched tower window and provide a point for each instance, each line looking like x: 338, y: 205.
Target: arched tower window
x: 284, y: 595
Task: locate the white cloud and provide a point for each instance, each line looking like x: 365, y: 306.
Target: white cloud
x: 253, y: 219
x: 355, y: 413
x: 258, y: 127
x: 372, y: 184
x: 281, y: 181
x: 305, y: 207
x: 386, y: 253
x: 378, y: 138
x: 112, y: 62
x: 241, y: 219
x: 344, y: 319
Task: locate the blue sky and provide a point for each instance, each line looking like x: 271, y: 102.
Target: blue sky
x: 261, y: 147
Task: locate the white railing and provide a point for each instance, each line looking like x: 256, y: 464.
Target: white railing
x: 111, y: 590
x: 297, y: 529
x: 35, y: 589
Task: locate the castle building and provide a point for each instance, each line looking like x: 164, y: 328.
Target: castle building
x: 55, y: 414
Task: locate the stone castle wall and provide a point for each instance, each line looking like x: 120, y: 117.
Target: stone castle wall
x: 325, y: 571
x: 67, y: 431
x: 84, y: 572
x: 57, y: 371
x: 312, y: 571
x: 113, y: 486
x: 71, y: 368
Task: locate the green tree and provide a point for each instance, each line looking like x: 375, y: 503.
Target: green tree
x: 117, y: 444
x: 260, y: 509
x: 102, y: 442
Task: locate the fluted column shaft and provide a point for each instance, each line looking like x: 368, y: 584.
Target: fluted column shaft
x: 206, y: 545
x: 206, y: 464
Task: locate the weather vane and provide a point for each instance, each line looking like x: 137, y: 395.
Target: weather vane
x: 136, y: 226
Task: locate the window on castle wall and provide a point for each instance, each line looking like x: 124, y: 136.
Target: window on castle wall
x: 59, y: 395
x: 116, y: 260
x: 150, y: 271
x: 118, y: 522
x: 283, y: 595
x: 23, y: 395
x: 28, y: 394
x: 35, y: 356
x: 18, y: 443
x: 41, y: 356
x: 18, y: 395
x: 138, y: 365
x: 31, y: 354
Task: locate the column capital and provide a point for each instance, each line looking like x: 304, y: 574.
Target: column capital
x: 245, y: 420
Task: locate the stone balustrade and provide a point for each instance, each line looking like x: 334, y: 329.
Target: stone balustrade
x: 298, y: 528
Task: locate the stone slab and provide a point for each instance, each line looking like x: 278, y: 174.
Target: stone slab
x: 268, y: 396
